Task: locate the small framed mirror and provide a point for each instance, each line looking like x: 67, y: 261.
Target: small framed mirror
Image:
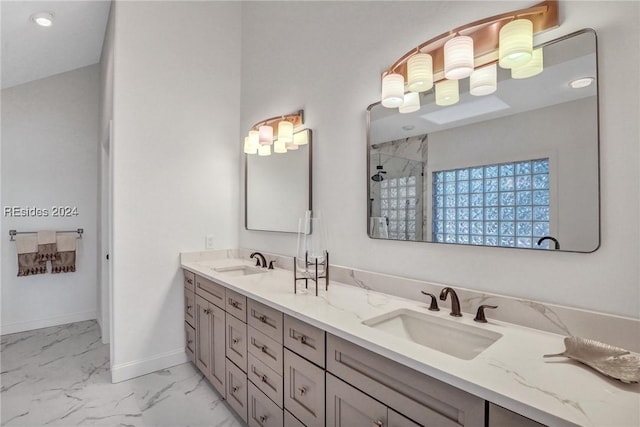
x: 517, y: 168
x: 278, y: 187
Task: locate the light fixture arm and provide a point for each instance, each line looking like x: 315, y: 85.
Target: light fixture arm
x: 484, y: 33
x: 297, y: 119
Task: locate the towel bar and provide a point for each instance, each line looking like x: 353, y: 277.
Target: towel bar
x: 12, y: 233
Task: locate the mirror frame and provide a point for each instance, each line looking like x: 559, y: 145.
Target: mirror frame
x: 598, y: 169
x: 309, y: 189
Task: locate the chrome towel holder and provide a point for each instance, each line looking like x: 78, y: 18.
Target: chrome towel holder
x: 13, y: 233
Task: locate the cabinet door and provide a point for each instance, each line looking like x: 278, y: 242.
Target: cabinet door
x: 349, y: 407
x: 189, y: 306
x: 262, y: 411
x: 237, y: 342
x: 190, y: 341
x: 304, y: 389
x: 237, y: 390
x: 203, y: 335
x: 217, y: 371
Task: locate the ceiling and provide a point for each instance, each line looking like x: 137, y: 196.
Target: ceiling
x: 31, y: 52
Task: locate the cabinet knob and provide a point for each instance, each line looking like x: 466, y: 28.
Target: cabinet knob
x: 235, y: 340
x: 207, y: 311
x: 234, y: 304
x: 263, y: 348
x: 263, y: 319
x: 301, y: 338
x: 302, y: 391
x: 234, y: 389
x: 189, y: 341
x: 264, y: 378
x: 189, y: 307
x: 263, y: 418
x: 189, y: 281
x: 378, y: 423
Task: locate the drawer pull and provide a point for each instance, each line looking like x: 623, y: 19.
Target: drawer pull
x: 264, y: 378
x: 189, y: 307
x: 235, y: 340
x: 234, y: 389
x: 378, y: 424
x: 263, y: 418
x: 263, y: 319
x: 302, y: 391
x: 263, y: 348
x: 189, y: 341
x: 207, y: 311
x: 234, y: 304
x: 301, y: 338
x: 189, y: 281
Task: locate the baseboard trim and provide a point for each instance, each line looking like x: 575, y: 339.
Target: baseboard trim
x: 30, y: 325
x: 125, y: 371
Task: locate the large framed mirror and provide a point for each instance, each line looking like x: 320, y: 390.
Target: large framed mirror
x: 278, y: 188
x: 518, y: 168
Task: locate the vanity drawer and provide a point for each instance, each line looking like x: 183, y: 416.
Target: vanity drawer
x: 190, y: 341
x: 189, y: 280
x: 416, y: 396
x: 262, y: 411
x: 236, y: 304
x: 304, y: 339
x: 265, y: 319
x: 304, y: 389
x: 266, y: 379
x: 210, y: 291
x: 236, y: 341
x: 189, y: 306
x: 500, y: 417
x: 237, y: 390
x: 265, y: 349
x: 291, y: 421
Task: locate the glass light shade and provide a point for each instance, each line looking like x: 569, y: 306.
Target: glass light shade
x: 531, y: 68
x: 515, y: 43
x: 254, y: 138
x: 392, y: 90
x: 285, y: 131
x: 484, y: 81
x: 458, y: 58
x: 420, y: 72
x: 43, y: 19
x: 300, y: 138
x: 292, y: 146
x: 447, y: 92
x: 264, y: 150
x: 411, y: 103
x: 248, y: 148
x: 266, y: 135
x: 279, y: 147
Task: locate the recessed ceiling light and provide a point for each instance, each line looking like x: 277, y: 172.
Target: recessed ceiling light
x: 582, y: 82
x: 44, y: 19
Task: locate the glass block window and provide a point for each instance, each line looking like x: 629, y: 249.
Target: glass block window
x: 399, y: 198
x: 503, y: 204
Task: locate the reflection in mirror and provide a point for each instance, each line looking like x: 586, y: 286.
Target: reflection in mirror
x: 278, y: 188
x: 517, y: 168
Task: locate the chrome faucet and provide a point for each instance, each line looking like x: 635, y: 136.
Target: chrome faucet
x: 455, y: 303
x: 260, y: 259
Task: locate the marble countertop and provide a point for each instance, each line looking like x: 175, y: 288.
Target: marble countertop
x: 510, y: 373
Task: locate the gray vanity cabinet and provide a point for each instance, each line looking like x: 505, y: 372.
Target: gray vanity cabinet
x: 189, y: 315
x: 349, y: 407
x: 236, y: 383
x: 423, y: 399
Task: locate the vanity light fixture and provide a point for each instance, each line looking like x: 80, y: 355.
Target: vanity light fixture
x: 261, y: 138
x: 581, y: 82
x: 447, y: 92
x: 484, y: 81
x: 531, y: 68
x: 411, y: 103
x: 506, y: 40
x: 43, y: 19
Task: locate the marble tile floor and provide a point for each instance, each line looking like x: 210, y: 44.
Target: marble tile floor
x: 60, y: 376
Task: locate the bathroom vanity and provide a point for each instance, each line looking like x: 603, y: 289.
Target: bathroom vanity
x: 285, y: 359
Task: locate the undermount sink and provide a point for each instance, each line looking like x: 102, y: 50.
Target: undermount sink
x: 450, y: 337
x: 239, y: 270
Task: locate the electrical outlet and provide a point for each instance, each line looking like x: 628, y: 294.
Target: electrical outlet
x: 209, y: 243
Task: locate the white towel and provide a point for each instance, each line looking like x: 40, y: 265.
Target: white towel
x: 27, y: 243
x: 378, y: 227
x: 66, y: 242
x: 46, y: 245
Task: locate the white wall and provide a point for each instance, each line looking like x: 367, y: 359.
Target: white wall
x: 334, y: 53
x: 49, y: 157
x: 176, y: 156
